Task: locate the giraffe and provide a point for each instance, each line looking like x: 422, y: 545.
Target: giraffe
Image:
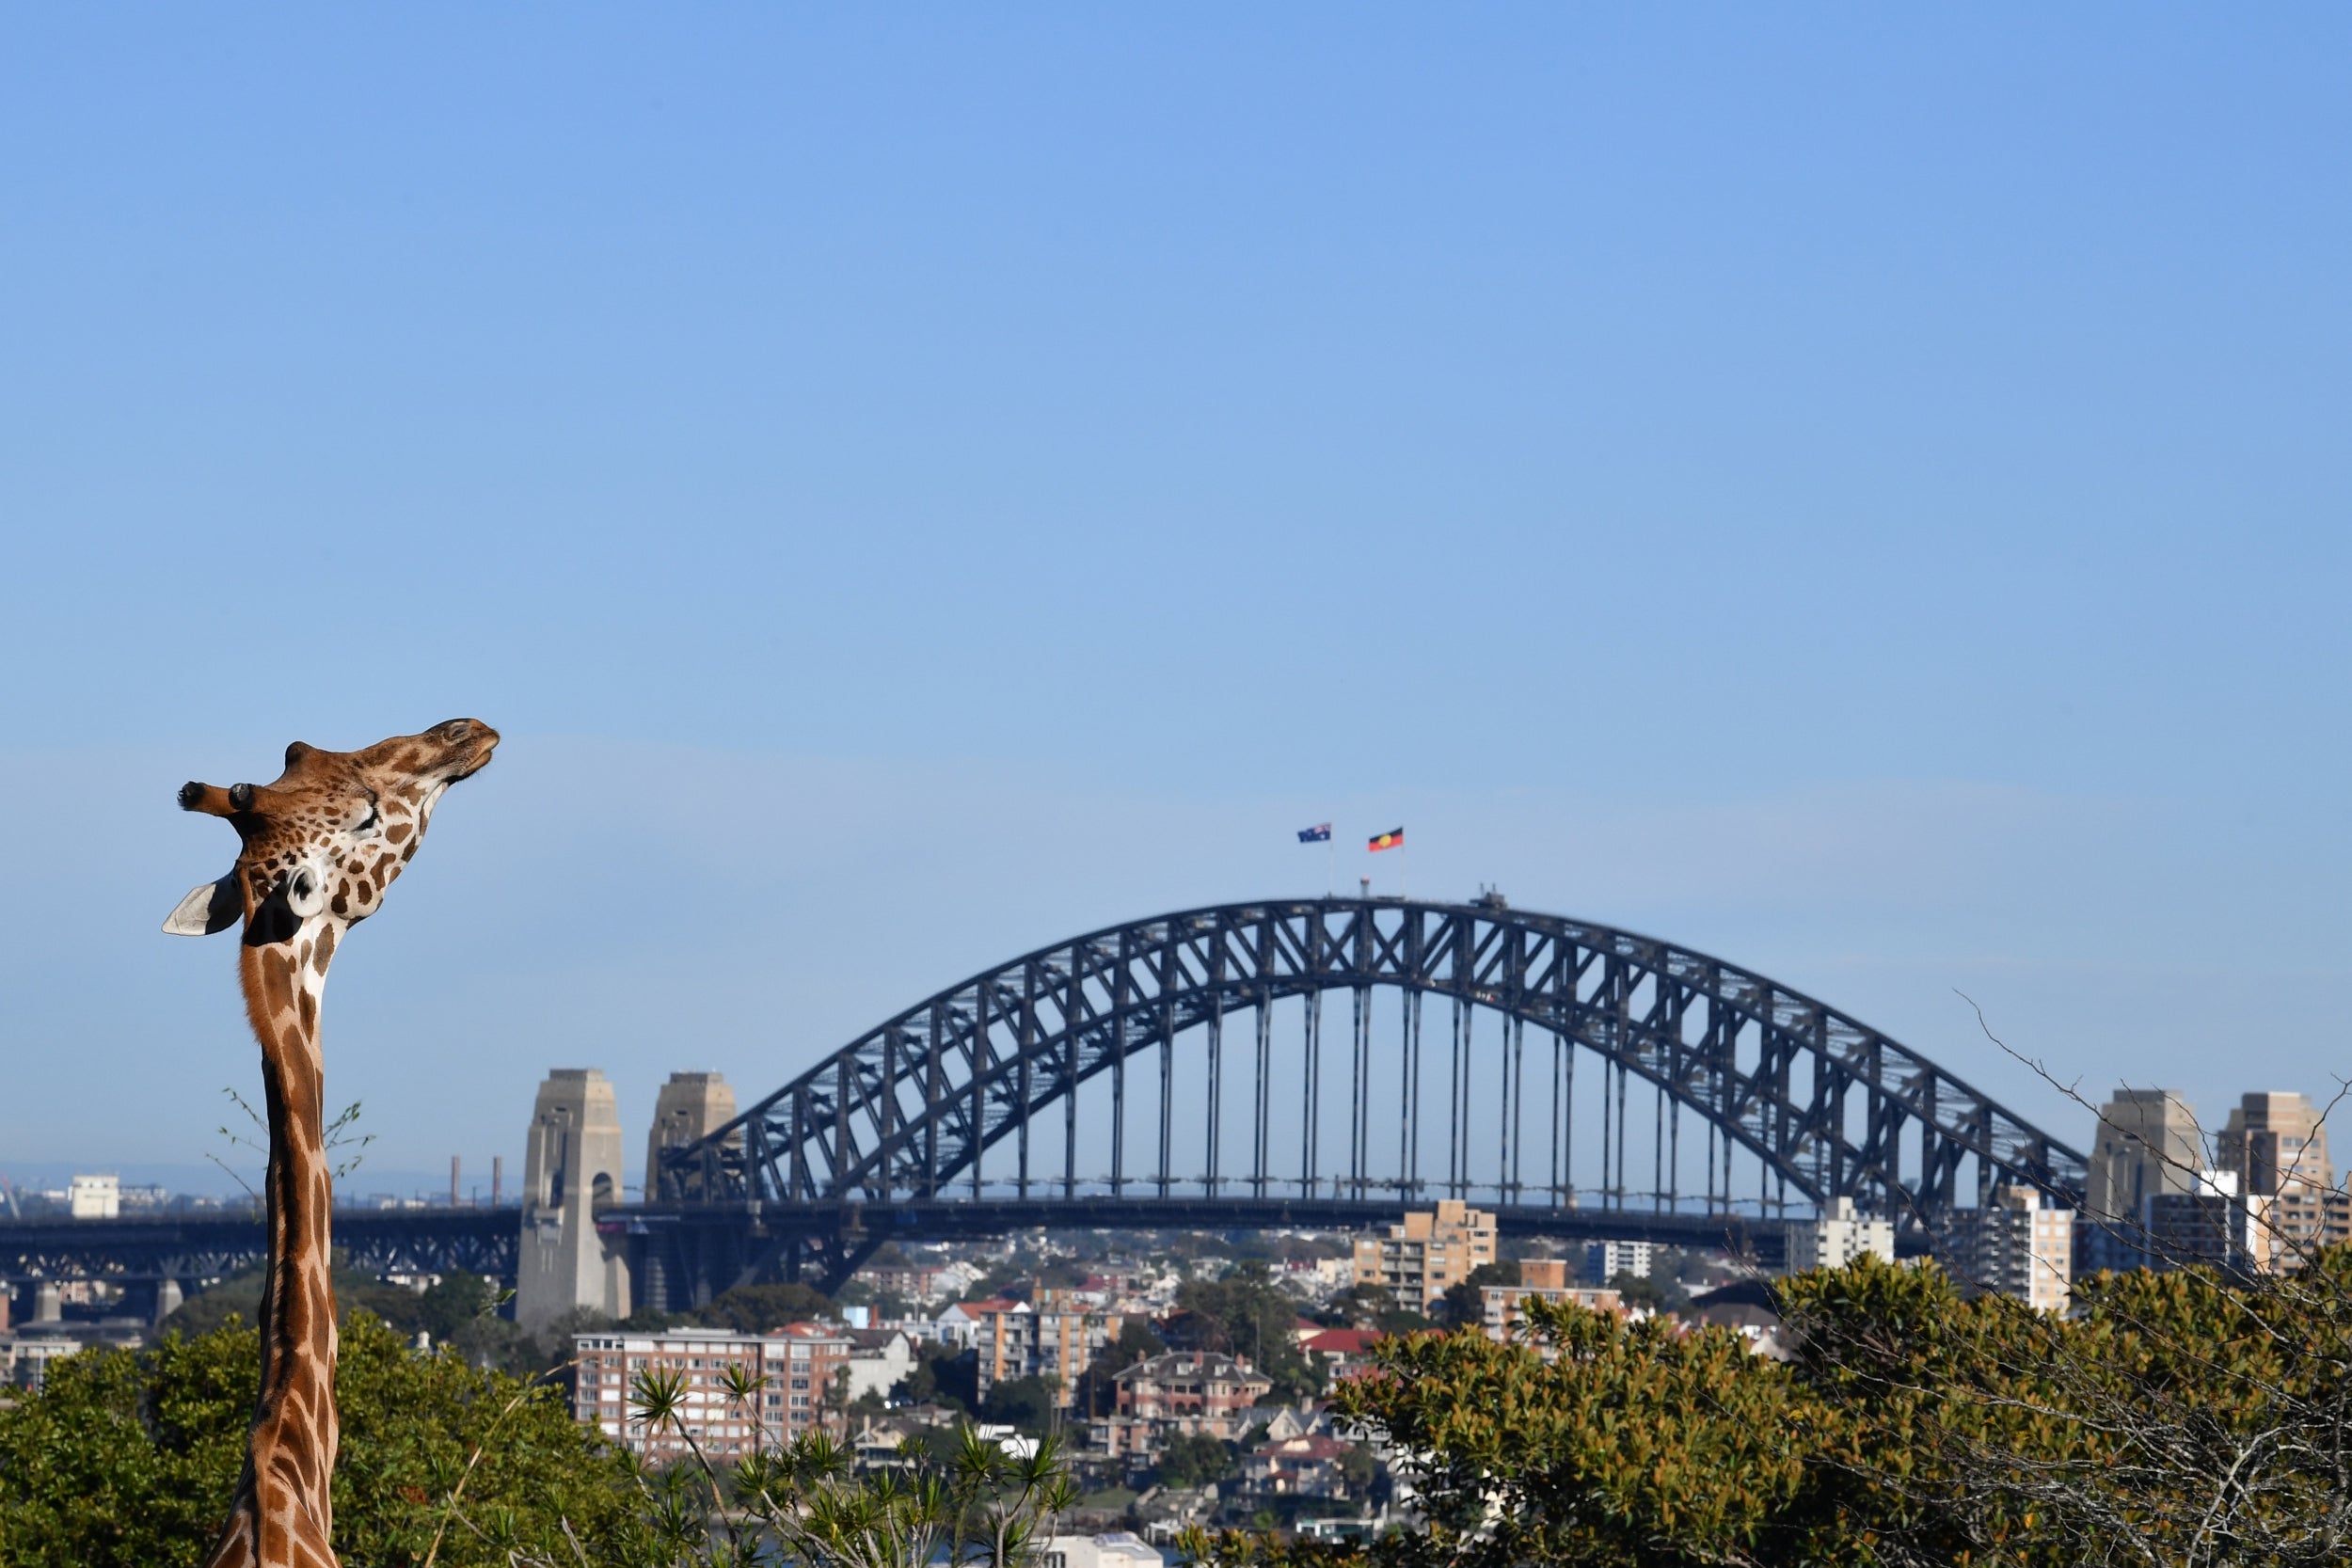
x: 320, y: 846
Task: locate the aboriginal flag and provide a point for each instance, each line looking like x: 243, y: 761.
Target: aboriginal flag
x: 1393, y: 839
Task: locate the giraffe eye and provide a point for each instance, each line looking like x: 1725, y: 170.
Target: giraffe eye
x: 366, y: 824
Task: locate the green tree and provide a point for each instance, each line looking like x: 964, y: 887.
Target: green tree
x: 1631, y: 1437
x: 453, y: 1303
x: 2174, y: 1419
x: 1640, y: 1289
x: 1465, y: 1301
x: 1358, y: 1307
x: 240, y: 1297
x: 1245, y: 1314
x: 1194, y: 1459
x: 237, y: 1296
x: 992, y: 1285
x: 1358, y: 1469
x: 757, y: 1309
x: 1027, y: 1403
x: 941, y: 1375
x: 1464, y: 1305
x: 129, y: 1459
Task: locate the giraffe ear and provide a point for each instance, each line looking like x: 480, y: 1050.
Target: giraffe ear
x: 209, y: 906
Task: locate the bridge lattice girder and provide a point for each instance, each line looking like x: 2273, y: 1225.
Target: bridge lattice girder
x: 214, y: 1245
x: 909, y: 1110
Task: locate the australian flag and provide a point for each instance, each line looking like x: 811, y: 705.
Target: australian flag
x: 1319, y: 833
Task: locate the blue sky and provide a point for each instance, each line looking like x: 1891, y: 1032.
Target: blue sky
x: 1862, y: 493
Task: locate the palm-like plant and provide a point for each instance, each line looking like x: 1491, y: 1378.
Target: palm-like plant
x: 1003, y: 1502
x: 807, y: 1504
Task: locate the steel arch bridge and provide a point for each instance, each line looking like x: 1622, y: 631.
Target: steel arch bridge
x: 936, y: 1118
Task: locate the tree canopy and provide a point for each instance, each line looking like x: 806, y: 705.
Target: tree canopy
x: 757, y: 1309
x: 129, y: 1458
x: 1245, y: 1314
x: 2176, y: 1419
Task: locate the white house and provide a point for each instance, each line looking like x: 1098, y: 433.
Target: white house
x: 882, y: 1356
x: 1115, y: 1550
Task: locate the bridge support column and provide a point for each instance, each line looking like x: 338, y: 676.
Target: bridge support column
x: 572, y: 1169
x: 691, y: 1106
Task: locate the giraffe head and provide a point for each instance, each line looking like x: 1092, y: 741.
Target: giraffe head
x: 323, y: 840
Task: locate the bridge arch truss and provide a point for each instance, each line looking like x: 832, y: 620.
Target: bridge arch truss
x: 955, y: 1098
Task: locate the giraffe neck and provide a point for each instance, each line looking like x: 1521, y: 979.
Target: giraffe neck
x: 284, y: 1510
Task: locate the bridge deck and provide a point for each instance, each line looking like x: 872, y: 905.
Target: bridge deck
x: 485, y: 1239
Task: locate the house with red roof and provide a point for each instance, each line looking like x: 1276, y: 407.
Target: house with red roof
x: 1338, y: 1347
x: 1303, y: 1466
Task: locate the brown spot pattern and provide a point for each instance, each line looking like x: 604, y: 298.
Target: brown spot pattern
x: 282, y: 1515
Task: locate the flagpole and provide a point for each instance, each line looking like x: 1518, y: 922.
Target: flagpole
x: 1330, y: 852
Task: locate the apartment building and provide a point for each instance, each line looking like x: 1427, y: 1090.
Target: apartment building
x: 797, y: 1366
x: 2276, y: 1145
x: 1836, y: 1237
x: 1540, y: 1280
x: 2282, y: 1228
x: 1434, y: 1250
x: 1067, y: 1340
x: 923, y: 1282
x: 2020, y: 1244
x: 2275, y: 1140
x: 1605, y: 1260
x: 1056, y: 1335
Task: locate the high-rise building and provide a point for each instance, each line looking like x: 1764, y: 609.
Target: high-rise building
x: 2148, y: 1145
x: 1432, y: 1251
x: 691, y: 1105
x: 2275, y: 1140
x: 2018, y: 1245
x: 2276, y: 1145
x: 2203, y: 1225
x: 1836, y: 1237
x: 571, y: 1168
x: 2264, y: 1199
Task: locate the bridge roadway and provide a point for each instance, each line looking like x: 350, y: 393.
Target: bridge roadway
x: 194, y: 1245
x: 682, y: 1253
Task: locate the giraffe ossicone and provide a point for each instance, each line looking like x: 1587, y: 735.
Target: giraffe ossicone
x: 317, y: 849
